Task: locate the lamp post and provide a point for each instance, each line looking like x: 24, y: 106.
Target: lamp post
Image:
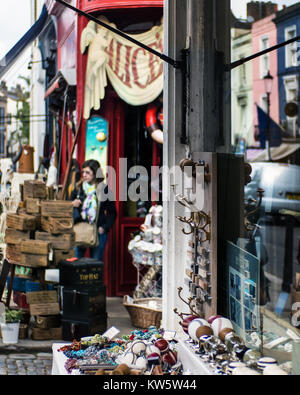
x: 268, y: 80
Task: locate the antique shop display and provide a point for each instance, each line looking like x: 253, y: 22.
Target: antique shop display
x: 83, y: 298
x: 38, y: 235
x: 145, y: 307
x: 146, y: 250
x: 217, y: 345
x: 144, y: 352
x: 154, y: 351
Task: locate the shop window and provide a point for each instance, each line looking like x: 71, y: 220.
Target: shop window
x: 291, y: 84
x: 291, y: 49
x: 265, y: 59
x: 263, y: 264
x: 264, y: 103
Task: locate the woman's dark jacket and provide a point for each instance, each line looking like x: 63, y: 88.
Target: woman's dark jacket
x: 107, y: 213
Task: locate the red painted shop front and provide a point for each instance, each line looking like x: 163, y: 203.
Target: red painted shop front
x: 127, y: 135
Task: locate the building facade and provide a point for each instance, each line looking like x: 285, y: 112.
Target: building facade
x: 264, y: 35
x: 241, y: 88
x: 288, y: 26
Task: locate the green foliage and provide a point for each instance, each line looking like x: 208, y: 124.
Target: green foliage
x: 11, y: 316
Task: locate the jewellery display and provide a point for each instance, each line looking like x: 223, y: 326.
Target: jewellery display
x: 143, y: 352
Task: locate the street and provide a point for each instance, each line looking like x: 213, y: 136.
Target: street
x: 38, y: 364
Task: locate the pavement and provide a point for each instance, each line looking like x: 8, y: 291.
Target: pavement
x: 34, y: 357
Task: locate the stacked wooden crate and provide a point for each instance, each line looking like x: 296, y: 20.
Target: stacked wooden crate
x: 39, y: 236
x: 44, y: 307
x: 18, y: 229
x: 57, y: 228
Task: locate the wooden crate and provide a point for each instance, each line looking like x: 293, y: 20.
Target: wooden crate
x: 34, y: 260
x: 59, y: 255
x: 43, y: 303
x: 47, y: 334
x: 41, y: 297
x: 59, y: 242
x: 47, y: 321
x: 38, y: 221
x: 14, y: 236
x: 13, y: 253
x: 57, y: 225
x: 295, y: 295
x: 57, y: 209
x: 33, y: 205
x: 44, y: 309
x: 36, y: 247
x: 34, y: 189
x: 20, y: 221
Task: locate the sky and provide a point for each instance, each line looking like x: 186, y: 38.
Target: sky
x: 239, y: 7
x: 15, y: 20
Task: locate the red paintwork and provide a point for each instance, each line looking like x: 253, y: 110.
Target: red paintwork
x: 99, y: 5
x: 151, y: 115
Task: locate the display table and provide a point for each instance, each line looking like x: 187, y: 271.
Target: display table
x: 192, y: 365
x: 59, y: 360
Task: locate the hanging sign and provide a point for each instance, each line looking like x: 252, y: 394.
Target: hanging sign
x: 96, y: 140
x: 135, y: 74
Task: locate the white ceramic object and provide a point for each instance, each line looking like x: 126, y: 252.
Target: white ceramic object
x: 151, y: 348
x: 220, y: 323
x: 194, y: 325
x: 141, y: 363
x: 138, y: 346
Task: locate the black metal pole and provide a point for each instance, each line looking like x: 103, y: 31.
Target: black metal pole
x: 229, y: 67
x: 268, y: 129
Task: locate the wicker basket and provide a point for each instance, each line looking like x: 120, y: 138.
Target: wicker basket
x: 141, y: 314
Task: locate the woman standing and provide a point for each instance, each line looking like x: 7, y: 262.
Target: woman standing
x: 85, y: 203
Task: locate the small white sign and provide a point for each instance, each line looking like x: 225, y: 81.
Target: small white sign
x: 169, y: 335
x: 111, y: 332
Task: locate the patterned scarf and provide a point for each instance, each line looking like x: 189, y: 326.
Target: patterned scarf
x: 89, y: 207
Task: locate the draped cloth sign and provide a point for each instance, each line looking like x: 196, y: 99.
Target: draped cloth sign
x: 135, y: 74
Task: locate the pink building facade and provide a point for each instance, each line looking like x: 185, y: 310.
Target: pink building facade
x: 264, y: 35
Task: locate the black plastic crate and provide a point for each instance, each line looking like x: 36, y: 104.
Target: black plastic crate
x: 75, y: 272
x: 76, y: 329
x: 83, y: 302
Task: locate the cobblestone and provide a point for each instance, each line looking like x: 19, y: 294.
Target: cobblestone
x: 25, y: 364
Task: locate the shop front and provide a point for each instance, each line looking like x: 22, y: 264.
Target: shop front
x: 116, y: 81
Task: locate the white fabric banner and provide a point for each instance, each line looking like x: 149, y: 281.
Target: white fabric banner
x: 135, y: 74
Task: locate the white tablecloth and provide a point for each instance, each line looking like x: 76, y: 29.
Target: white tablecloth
x: 59, y: 359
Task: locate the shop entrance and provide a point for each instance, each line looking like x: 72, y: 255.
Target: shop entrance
x: 129, y: 147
